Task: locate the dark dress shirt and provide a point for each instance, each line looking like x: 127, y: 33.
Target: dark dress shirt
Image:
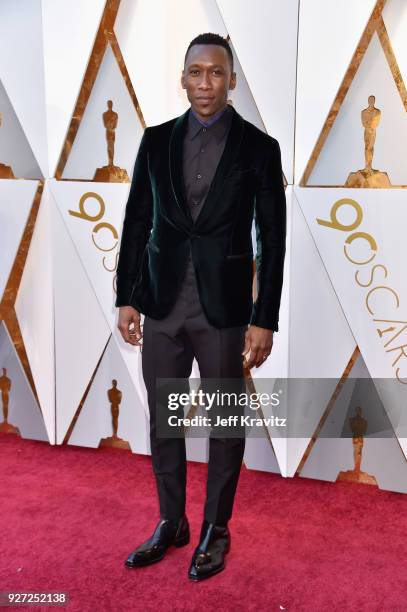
x: 203, y: 146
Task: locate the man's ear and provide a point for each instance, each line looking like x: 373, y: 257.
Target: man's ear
x: 232, y: 82
x: 183, y: 80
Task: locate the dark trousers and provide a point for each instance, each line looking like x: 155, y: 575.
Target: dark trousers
x: 169, y: 347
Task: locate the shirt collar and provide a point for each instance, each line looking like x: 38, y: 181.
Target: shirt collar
x: 217, y: 125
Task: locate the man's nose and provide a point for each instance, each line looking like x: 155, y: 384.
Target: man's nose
x: 205, y: 81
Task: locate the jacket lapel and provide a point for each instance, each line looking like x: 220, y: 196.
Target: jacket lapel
x: 175, y: 163
x: 229, y: 155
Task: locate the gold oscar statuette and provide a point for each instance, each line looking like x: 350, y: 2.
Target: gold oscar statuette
x: 5, y: 171
x: 368, y: 177
x: 358, y: 426
x: 115, y: 397
x: 5, y: 386
x: 111, y: 173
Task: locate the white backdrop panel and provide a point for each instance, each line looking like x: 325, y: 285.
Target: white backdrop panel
x: 69, y: 30
x: 329, y: 32
x: 373, y: 292
x: 16, y: 199
x: 384, y: 219
x: 259, y: 455
x: 15, y: 150
x: 344, y: 149
x: 242, y: 97
x: 81, y: 331
x: 84, y: 207
x: 106, y: 201
x: 89, y: 149
x: 22, y: 70
x: 23, y: 410
x: 330, y: 455
x: 35, y: 311
x: 321, y: 342
x: 265, y: 40
x: 95, y: 419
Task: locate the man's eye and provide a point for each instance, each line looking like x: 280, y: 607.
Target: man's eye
x: 217, y: 71
x: 194, y: 72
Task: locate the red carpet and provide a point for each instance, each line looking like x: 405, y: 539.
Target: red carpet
x: 71, y: 515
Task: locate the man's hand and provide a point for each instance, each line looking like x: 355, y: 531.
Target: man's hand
x: 258, y: 341
x: 127, y: 316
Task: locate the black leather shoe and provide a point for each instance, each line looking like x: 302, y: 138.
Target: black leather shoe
x: 167, y: 533
x: 209, y: 556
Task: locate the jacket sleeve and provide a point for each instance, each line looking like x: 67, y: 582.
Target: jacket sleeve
x: 138, y: 220
x: 271, y: 226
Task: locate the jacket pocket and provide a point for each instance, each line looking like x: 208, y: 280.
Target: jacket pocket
x: 241, y: 172
x: 240, y: 255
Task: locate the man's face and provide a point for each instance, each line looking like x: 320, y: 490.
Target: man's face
x: 207, y: 78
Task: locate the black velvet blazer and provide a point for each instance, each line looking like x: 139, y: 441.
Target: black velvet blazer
x: 158, y: 228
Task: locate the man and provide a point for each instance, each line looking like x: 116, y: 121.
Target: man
x: 186, y: 263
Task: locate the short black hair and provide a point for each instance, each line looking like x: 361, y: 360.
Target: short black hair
x: 209, y: 38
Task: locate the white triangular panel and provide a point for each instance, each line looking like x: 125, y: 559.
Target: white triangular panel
x: 383, y: 217
x: 308, y: 400
x: 15, y: 150
x: 333, y: 455
x: 373, y: 293
x: 258, y: 433
x: 35, y: 311
x: 131, y: 356
x: 95, y: 419
x: 329, y: 33
x: 265, y: 41
x: 333, y: 451
x: 23, y: 410
x: 317, y: 323
x: 344, y: 149
x: 242, y: 97
x: 81, y: 331
x: 176, y: 26
x: 391, y: 474
x: 259, y: 455
x: 89, y: 149
x: 16, y: 200
x: 83, y: 206
x: 69, y: 30
x: 22, y: 70
x: 317, y: 320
